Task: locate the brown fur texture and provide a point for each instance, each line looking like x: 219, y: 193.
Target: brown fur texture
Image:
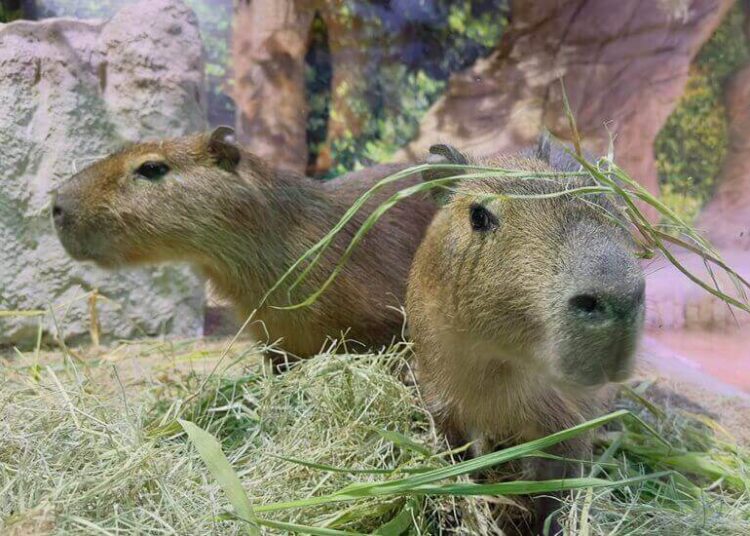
x: 511, y: 343
x: 243, y: 223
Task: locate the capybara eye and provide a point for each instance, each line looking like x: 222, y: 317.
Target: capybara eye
x: 481, y: 218
x: 152, y: 170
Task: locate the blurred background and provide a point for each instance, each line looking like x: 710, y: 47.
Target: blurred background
x: 326, y: 86
x: 363, y: 73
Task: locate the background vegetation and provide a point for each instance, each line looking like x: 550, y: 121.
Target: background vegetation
x: 413, y: 48
x: 7, y: 13
x: 416, y: 46
x: 691, y: 146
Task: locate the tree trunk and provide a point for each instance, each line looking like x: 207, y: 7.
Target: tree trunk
x: 269, y: 43
x: 270, y: 40
x: 726, y: 217
x: 624, y: 64
x: 350, y: 57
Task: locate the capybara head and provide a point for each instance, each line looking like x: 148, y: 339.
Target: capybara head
x: 518, y: 270
x: 150, y: 201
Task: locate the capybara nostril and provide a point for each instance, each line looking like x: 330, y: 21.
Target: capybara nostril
x: 587, y: 305
x: 60, y: 211
x: 597, y: 307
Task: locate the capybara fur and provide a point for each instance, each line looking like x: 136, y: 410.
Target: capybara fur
x: 204, y: 200
x: 522, y: 308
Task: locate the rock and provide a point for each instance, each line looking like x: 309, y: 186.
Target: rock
x: 624, y: 63
x: 675, y: 303
x: 72, y: 91
x: 726, y: 218
x: 270, y: 41
x: 269, y: 44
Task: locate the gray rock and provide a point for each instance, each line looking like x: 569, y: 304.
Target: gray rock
x: 70, y: 92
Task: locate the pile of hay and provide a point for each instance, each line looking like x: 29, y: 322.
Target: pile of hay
x: 91, y: 444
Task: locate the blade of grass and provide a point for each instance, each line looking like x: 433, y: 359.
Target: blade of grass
x: 498, y: 457
x: 317, y: 250
x: 402, y: 441
x: 349, y: 470
x: 212, y: 455
x: 295, y: 528
x: 402, y: 521
x: 571, y: 120
x: 420, y: 483
x: 520, y: 487
x: 643, y: 225
x: 35, y: 312
x: 531, y: 487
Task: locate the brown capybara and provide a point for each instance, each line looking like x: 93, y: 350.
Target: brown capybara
x: 204, y: 200
x: 522, y: 308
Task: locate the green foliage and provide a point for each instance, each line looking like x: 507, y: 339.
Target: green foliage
x: 405, y: 97
x: 215, y: 21
x: 7, y: 15
x: 726, y: 50
x: 412, y: 55
x: 85, y: 9
x: 691, y: 146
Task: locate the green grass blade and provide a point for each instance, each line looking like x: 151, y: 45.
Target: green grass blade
x: 313, y: 255
x: 212, y: 455
x: 34, y: 312
x: 324, y: 467
x: 521, y: 487
x: 295, y: 528
x: 486, y: 461
x: 420, y: 483
x: 643, y: 225
x: 402, y: 521
x: 530, y: 487
x: 400, y: 440
x: 348, y: 215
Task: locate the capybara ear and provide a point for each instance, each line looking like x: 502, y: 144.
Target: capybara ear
x: 223, y: 147
x: 443, y: 154
x: 544, y: 147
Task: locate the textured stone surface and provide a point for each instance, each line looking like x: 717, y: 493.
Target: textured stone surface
x: 674, y: 302
x: 270, y: 41
x: 624, y: 63
x: 71, y: 91
x: 726, y: 218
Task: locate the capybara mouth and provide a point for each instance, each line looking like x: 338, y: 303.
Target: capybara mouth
x: 82, y: 250
x: 599, y: 366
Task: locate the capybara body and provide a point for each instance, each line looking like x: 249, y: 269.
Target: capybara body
x: 522, y: 308
x: 204, y: 200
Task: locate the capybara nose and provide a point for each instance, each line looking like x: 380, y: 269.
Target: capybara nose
x: 599, y: 306
x: 61, y: 210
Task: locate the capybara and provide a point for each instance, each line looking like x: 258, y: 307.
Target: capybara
x: 521, y: 308
x: 204, y: 200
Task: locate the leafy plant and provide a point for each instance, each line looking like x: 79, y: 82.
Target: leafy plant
x: 691, y: 147
x: 412, y: 49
